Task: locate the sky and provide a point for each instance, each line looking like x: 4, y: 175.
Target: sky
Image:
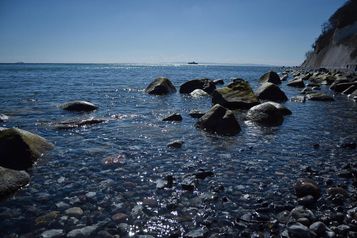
x: 274, y: 32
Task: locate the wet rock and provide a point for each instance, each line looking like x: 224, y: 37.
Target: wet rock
x: 54, y: 233
x: 173, y: 117
x: 91, y: 194
x: 271, y: 92
x: 115, y: 160
x: 197, y: 233
x: 3, y: 118
x: 175, y: 144
x: 188, y: 183
x: 236, y: 95
x: 119, y: 217
x: 203, y: 174
x: 298, y: 230
x: 265, y: 114
x: 284, y: 77
x: 306, y: 90
x: 298, y: 83
x: 218, y: 81
x: 270, y: 77
x: 11, y: 181
x: 348, y: 91
x: 300, y: 99
x: 19, y: 149
x: 83, y: 232
x: 74, y: 211
x: 160, y: 86
x: 301, y: 212
x: 319, y: 228
x: 284, y: 110
x: 78, y: 123
x: 196, y: 113
x: 79, y: 106
x: 340, y: 86
x: 47, y: 218
x: 307, y: 201
x: 305, y: 186
x: 149, y: 202
x: 198, y: 93
x: 319, y: 97
x: 206, y: 85
x: 166, y: 182
x: 219, y: 120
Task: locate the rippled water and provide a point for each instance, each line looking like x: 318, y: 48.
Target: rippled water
x: 259, y: 164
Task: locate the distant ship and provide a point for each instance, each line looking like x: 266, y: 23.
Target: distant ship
x: 193, y: 62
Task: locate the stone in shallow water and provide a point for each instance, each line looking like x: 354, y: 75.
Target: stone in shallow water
x: 265, y: 114
x: 119, y: 217
x: 271, y: 77
x: 74, y: 211
x: 198, y: 93
x: 83, y: 232
x: 160, y: 86
x: 298, y: 230
x: 3, y: 118
x: 198, y: 233
x: 196, y: 113
x: 175, y: 144
x: 173, y: 117
x: 11, y: 181
x: 305, y: 186
x: 79, y: 106
x: 269, y: 91
x: 54, y: 233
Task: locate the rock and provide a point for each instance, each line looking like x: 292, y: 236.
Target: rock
x: 339, y: 86
x: 19, y: 149
x: 173, y: 117
x: 305, y: 186
x: 54, y: 233
x: 300, y: 99
x: 203, y: 174
x: 307, y: 201
x: 298, y: 83
x: 47, y: 218
x: 11, y: 181
x: 284, y: 77
x: 188, y: 183
x: 74, y: 211
x: 115, y: 160
x: 206, y: 85
x: 306, y: 90
x: 269, y: 91
x: 82, y: 232
x: 79, y: 106
x: 198, y: 93
x: 348, y: 91
x: 219, y: 120
x: 218, y: 81
x: 265, y: 114
x: 196, y: 113
x: 270, y: 77
x: 236, y: 95
x: 319, y: 97
x: 167, y: 182
x: 3, y: 118
x: 198, y: 233
x: 175, y: 144
x: 78, y: 123
x: 298, y: 230
x: 319, y: 228
x: 160, y: 86
x: 284, y: 110
x: 119, y: 217
x: 301, y: 212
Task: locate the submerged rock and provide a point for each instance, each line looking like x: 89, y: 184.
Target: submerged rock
x: 79, y: 123
x: 236, y: 95
x: 206, y: 85
x: 269, y: 91
x: 270, y: 77
x: 79, y: 106
x: 319, y: 97
x: 19, y: 149
x: 219, y: 120
x: 175, y: 144
x: 265, y: 114
x: 11, y: 181
x: 298, y: 83
x: 173, y: 117
x: 160, y: 86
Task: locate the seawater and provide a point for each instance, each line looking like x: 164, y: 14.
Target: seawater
x: 257, y: 165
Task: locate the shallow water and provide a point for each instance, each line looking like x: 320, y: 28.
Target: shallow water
x: 258, y: 165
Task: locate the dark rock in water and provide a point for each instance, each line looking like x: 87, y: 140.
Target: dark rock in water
x: 206, y: 85
x: 167, y: 182
x: 300, y: 99
x: 196, y: 113
x: 333, y: 191
x: 175, y: 144
x: 319, y: 228
x: 236, y: 95
x: 11, y: 181
x: 188, y: 183
x: 79, y: 106
x: 114, y: 160
x: 265, y: 114
x: 348, y: 91
x: 198, y: 233
x: 160, y: 86
x: 218, y: 81
x: 307, y: 201
x: 284, y: 77
x: 298, y: 83
x: 301, y: 212
x: 19, y: 149
x: 3, y: 118
x: 342, y: 86
x: 219, y: 120
x: 306, y: 90
x: 79, y: 123
x: 270, y: 77
x: 298, y: 230
x: 284, y: 110
x: 269, y: 91
x: 173, y: 117
x: 203, y: 174
x: 319, y: 97
x: 305, y: 186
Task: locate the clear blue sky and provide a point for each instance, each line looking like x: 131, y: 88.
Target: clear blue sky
x: 156, y: 31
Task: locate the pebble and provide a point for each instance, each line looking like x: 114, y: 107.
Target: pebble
x: 298, y: 230
x: 91, y: 194
x: 54, y: 233
x: 319, y: 228
x: 74, y: 211
x: 305, y: 186
x: 119, y: 217
x: 82, y: 232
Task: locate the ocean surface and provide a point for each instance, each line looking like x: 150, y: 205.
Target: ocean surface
x: 256, y: 167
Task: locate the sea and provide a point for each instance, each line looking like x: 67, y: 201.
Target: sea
x: 255, y: 169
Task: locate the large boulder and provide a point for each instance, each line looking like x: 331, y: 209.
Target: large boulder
x: 160, y: 86
x: 19, y: 149
x: 319, y: 97
x: 269, y: 91
x: 79, y: 106
x: 206, y: 85
x: 11, y: 181
x: 265, y: 114
x: 284, y: 110
x: 270, y: 77
x: 236, y: 95
x: 219, y: 120
x: 297, y: 82
x: 340, y: 86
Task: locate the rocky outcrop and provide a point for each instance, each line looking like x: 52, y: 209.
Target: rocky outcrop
x: 269, y: 91
x: 265, y: 114
x: 19, y: 149
x: 219, y: 120
x: 79, y: 106
x: 160, y: 86
x: 270, y: 77
x: 173, y: 117
x: 11, y: 181
x: 236, y: 95
x: 206, y: 85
